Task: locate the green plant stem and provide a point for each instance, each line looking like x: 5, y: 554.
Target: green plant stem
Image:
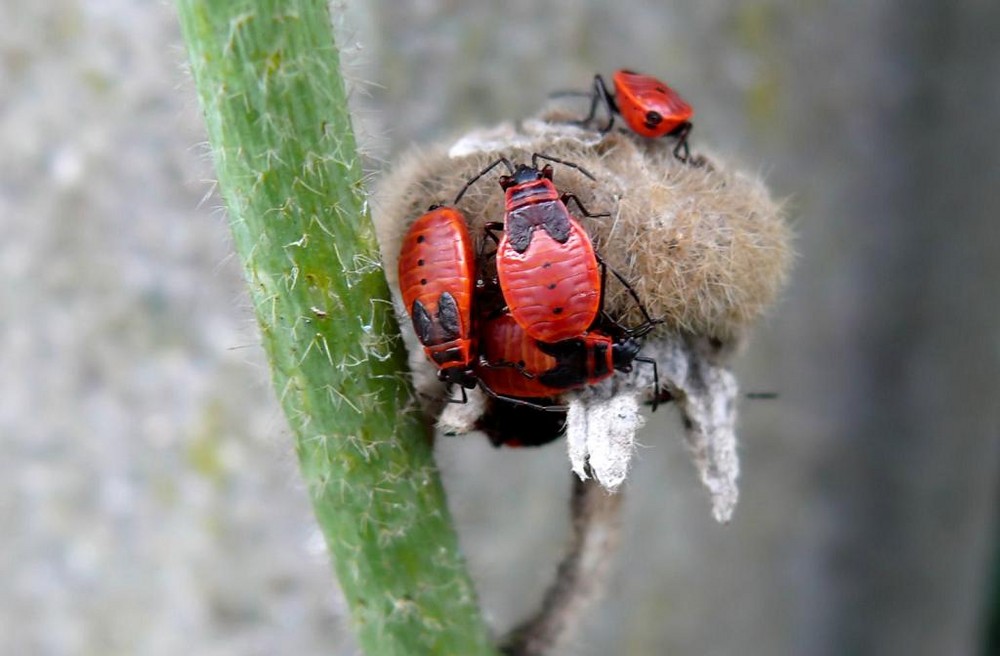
x: 268, y: 77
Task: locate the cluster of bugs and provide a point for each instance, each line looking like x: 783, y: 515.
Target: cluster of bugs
x: 525, y: 321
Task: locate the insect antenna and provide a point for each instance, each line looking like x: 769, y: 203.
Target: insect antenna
x: 489, y: 167
x: 537, y: 156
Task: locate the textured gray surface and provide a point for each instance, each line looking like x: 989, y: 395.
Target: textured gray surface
x: 149, y: 502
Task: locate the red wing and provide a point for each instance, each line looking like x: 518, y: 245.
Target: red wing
x: 638, y: 95
x: 436, y: 271
x: 553, y: 290
x: 509, y: 352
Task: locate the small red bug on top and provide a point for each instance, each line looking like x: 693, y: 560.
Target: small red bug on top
x: 648, y: 106
x: 437, y: 278
x: 546, y: 264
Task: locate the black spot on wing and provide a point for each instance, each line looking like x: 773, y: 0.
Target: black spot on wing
x: 563, y: 376
x: 556, y: 222
x: 448, y: 316
x: 567, y: 348
x: 423, y: 324
x: 571, y: 363
x: 519, y: 229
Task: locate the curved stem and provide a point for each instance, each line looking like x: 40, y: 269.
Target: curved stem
x: 581, y: 575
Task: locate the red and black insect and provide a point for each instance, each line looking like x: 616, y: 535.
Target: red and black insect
x: 437, y: 279
x: 516, y: 425
x: 513, y: 364
x: 546, y: 264
x: 510, y: 361
x: 648, y: 106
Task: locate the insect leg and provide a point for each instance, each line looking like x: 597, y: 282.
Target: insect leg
x: 601, y: 91
x: 566, y: 198
x: 522, y: 402
x: 503, y: 364
x: 598, y: 93
x: 464, y: 399
x: 650, y: 322
x: 490, y: 227
x: 656, y: 379
x: 682, y: 132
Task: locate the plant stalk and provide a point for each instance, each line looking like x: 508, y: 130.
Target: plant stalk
x: 268, y: 79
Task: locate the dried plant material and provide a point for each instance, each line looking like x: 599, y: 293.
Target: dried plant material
x: 596, y: 517
x: 600, y: 434
x: 576, y: 439
x: 708, y: 405
x: 705, y: 393
x: 461, y: 418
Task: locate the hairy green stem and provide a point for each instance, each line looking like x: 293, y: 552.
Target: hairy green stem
x: 268, y: 77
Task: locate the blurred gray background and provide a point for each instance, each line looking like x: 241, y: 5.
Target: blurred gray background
x: 149, y: 501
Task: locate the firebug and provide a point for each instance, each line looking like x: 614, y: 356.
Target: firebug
x: 437, y: 279
x: 648, y: 106
x: 546, y: 264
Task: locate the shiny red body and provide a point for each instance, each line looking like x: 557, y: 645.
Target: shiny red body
x: 514, y: 364
x: 648, y: 106
x: 437, y: 278
x: 501, y: 342
x: 546, y: 263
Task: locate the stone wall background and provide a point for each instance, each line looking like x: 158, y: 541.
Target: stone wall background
x: 149, y: 501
